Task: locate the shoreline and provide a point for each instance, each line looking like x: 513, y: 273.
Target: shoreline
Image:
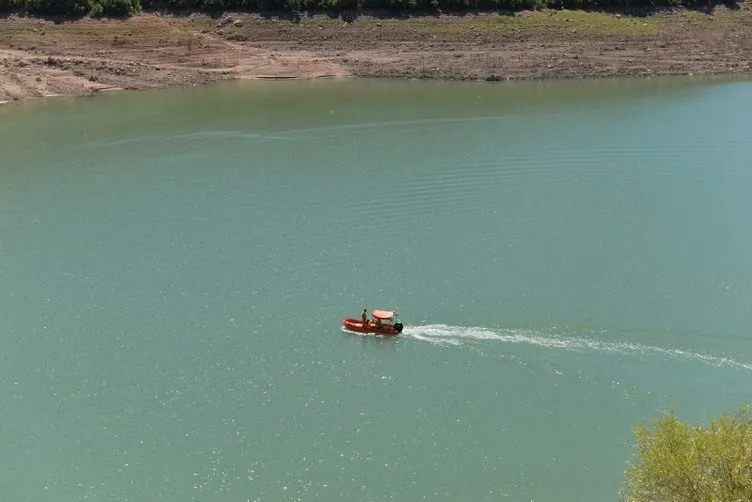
x: 40, y: 57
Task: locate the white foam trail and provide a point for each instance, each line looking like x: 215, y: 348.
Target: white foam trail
x: 443, y: 334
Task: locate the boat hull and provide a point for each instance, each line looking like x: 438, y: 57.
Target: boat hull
x: 357, y: 325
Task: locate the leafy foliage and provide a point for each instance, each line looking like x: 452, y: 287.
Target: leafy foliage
x: 122, y: 8
x: 677, y: 462
x: 114, y: 8
x: 95, y: 8
x: 58, y: 7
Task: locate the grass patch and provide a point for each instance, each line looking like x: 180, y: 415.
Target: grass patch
x: 468, y: 26
x: 541, y: 22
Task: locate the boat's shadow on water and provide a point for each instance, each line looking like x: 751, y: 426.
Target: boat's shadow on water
x: 372, y: 340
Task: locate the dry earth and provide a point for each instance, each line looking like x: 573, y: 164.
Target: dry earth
x: 43, y: 57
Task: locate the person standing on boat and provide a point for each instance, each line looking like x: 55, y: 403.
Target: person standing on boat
x: 365, y: 317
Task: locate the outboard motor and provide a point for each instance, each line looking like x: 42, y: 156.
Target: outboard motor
x: 398, y: 327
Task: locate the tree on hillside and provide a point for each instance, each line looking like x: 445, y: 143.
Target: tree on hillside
x: 123, y: 8
x: 678, y: 462
x: 57, y: 7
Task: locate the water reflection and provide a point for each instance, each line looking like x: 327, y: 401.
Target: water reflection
x: 370, y: 340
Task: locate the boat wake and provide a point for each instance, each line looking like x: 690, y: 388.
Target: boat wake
x: 442, y: 334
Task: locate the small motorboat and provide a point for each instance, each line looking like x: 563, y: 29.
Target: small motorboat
x: 383, y: 322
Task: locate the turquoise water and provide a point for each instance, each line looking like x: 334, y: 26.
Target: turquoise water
x: 569, y: 260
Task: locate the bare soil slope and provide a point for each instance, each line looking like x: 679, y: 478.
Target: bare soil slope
x: 40, y: 57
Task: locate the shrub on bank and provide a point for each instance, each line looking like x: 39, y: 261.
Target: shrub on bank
x: 114, y: 8
x: 678, y: 462
x: 57, y: 7
x: 95, y: 8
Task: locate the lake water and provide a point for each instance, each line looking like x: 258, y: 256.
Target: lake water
x: 569, y: 259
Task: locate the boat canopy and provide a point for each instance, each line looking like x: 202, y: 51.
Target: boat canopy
x: 383, y: 314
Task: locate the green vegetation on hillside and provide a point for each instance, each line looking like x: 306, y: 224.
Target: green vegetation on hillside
x: 94, y: 8
x: 75, y: 8
x: 122, y: 8
x: 678, y: 462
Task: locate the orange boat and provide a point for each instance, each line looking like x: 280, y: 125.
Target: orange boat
x: 383, y: 322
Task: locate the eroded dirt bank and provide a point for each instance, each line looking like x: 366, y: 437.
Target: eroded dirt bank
x: 42, y: 57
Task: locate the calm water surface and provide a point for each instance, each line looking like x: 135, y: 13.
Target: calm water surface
x: 570, y: 259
